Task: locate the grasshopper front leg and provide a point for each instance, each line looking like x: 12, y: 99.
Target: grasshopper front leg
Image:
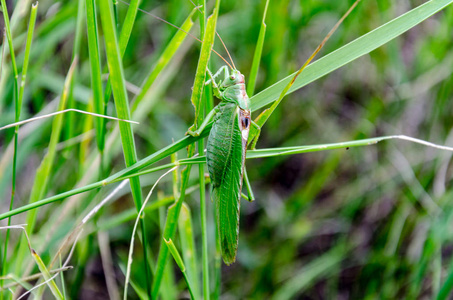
x: 203, y: 125
x: 215, y: 86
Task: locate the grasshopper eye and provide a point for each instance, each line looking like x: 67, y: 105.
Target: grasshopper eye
x: 245, y: 122
x: 232, y: 77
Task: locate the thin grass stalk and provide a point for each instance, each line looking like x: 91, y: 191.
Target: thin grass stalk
x: 19, y: 96
x: 208, y: 105
x: 17, y: 115
x: 217, y: 263
x: 122, y: 109
x: 63, y: 285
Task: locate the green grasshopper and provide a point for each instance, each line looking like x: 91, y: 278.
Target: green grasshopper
x: 225, y: 155
x: 227, y: 145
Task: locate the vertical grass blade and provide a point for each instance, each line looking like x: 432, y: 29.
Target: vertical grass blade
x: 196, y: 99
x: 257, y: 56
x: 170, y: 229
x: 125, y: 33
x: 31, y: 27
x: 128, y: 24
x: 188, y: 249
x: 69, y: 128
x: 200, y: 75
x: 208, y: 105
x: 95, y: 65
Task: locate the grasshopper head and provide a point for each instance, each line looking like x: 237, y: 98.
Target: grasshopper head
x: 233, y: 87
x: 235, y: 78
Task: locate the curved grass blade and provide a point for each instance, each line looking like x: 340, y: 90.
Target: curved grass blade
x: 133, y: 170
x: 351, y: 51
x: 262, y: 118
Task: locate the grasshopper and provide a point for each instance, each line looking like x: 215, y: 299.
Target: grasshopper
x: 225, y: 155
x: 227, y: 146
x: 228, y: 140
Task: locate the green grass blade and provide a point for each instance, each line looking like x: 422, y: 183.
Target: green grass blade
x: 95, y: 66
x: 186, y: 233
x: 31, y: 27
x: 117, y: 80
x: 47, y: 277
x: 128, y: 24
x: 447, y: 286
x: 177, y: 257
x: 351, y: 51
x: 257, y: 56
x: 164, y: 59
x: 44, y: 171
x: 199, y: 105
x: 70, y: 125
x: 306, y: 275
x: 200, y: 75
x: 125, y: 33
x: 188, y: 140
x: 10, y: 42
x: 170, y: 230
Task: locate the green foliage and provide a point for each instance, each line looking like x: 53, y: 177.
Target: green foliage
x: 369, y: 222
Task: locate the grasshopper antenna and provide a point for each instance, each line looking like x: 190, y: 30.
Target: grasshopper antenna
x: 218, y: 35
x: 226, y: 49
x: 188, y: 33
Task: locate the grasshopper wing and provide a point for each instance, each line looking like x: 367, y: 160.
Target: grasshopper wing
x: 225, y: 159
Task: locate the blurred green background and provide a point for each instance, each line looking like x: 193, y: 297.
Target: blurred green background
x: 364, y: 223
